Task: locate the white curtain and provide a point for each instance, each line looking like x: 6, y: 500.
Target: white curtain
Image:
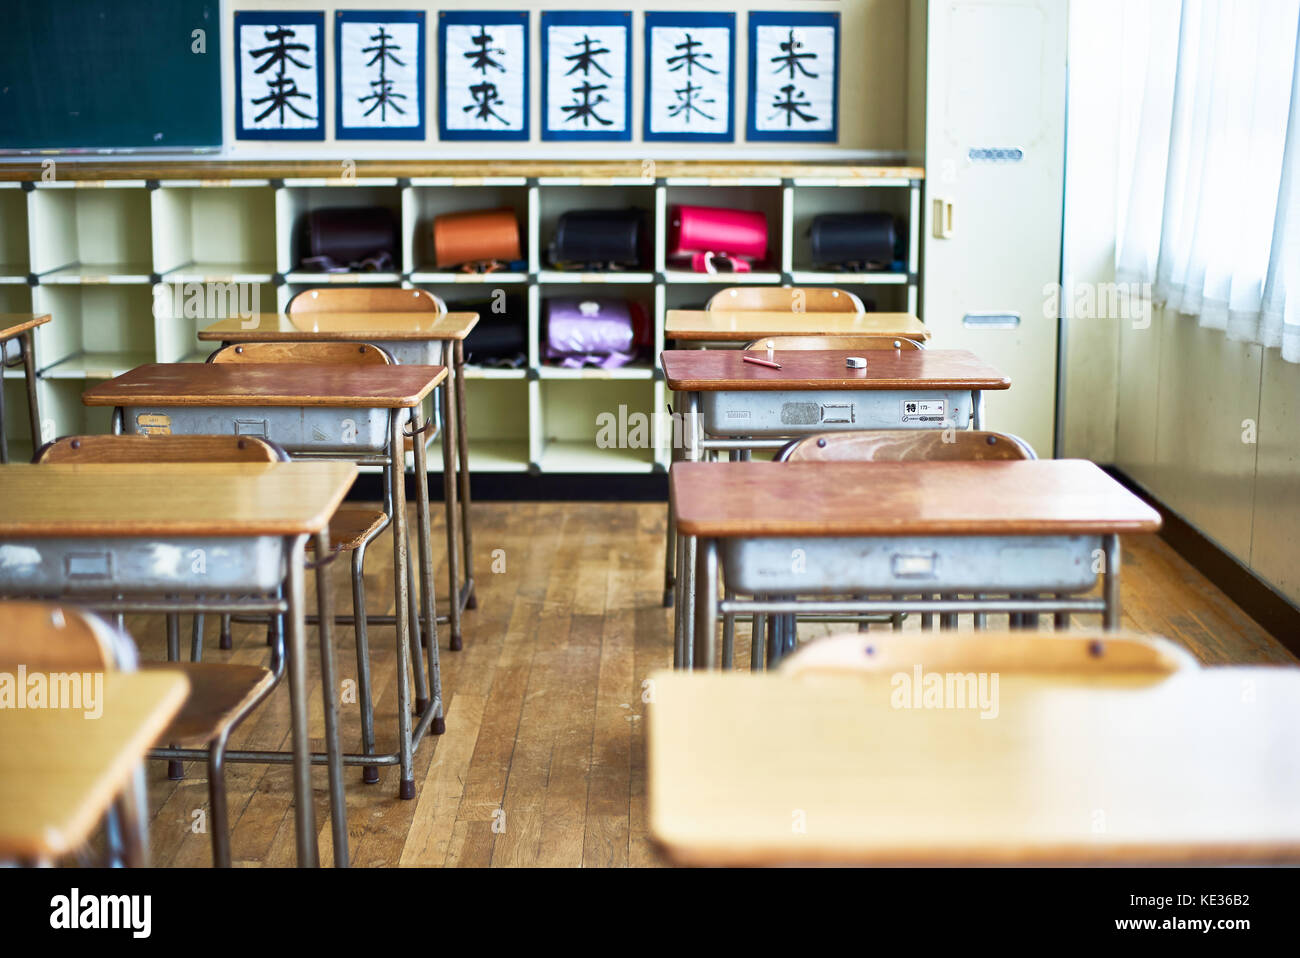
x: 1212, y: 218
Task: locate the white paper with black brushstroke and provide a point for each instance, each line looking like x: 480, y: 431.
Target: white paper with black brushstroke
x: 498, y: 63
x: 369, y: 100
x: 286, y: 76
x: 794, y: 86
x: 690, y: 79
x: 574, y: 71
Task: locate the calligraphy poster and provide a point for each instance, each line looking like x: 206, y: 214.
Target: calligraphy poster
x: 794, y: 65
x: 690, y: 76
x: 379, y: 75
x: 587, y: 75
x: 279, y: 75
x: 483, y: 64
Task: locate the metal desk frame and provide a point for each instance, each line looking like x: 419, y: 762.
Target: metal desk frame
x: 428, y: 687
x: 292, y: 606
x: 686, y: 559
x: 27, y: 346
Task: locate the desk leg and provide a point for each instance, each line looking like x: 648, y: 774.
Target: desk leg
x: 681, y: 660
x: 977, y: 409
x: 428, y: 596
x: 462, y: 475
x: 304, y: 814
x: 688, y: 545
x: 449, y: 483
x: 706, y: 603
x: 330, y: 700
x: 1111, y: 617
x: 28, y: 346
x: 401, y: 604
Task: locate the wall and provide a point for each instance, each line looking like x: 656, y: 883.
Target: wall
x: 1209, y: 426
x: 873, y: 85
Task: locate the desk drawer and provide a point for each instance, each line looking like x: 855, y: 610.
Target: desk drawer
x: 912, y: 564
x: 297, y: 429
x: 797, y: 412
x: 130, y: 566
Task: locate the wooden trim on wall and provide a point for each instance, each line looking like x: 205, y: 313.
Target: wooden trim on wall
x: 70, y: 169
x: 1272, y: 610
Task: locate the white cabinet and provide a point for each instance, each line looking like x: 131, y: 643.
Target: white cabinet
x: 995, y: 167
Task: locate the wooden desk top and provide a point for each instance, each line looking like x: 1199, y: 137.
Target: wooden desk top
x: 1031, y: 497
x: 744, y: 325
x: 268, y: 384
x: 1200, y: 766
x: 12, y: 324
x: 689, y: 370
x: 154, y: 499
x: 60, y: 770
x: 342, y: 327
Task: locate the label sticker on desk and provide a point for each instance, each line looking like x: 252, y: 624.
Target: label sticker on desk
x: 924, y: 410
x: 154, y: 424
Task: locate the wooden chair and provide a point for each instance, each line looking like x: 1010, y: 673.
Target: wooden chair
x: 364, y: 299
x: 792, y: 299
x: 835, y: 342
x: 352, y: 528
x: 372, y: 299
x: 907, y: 445
x: 898, y: 445
x: 51, y: 638
x: 1076, y: 653
x: 221, y: 695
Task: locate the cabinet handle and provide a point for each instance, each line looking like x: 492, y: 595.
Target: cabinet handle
x: 945, y: 224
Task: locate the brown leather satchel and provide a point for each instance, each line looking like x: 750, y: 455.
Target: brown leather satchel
x: 476, y: 239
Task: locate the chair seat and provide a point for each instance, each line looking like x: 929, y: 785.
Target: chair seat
x: 219, y: 695
x: 352, y: 525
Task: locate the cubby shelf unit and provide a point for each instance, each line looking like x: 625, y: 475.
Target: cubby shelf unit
x: 132, y: 260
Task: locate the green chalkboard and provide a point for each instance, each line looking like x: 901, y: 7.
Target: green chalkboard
x: 110, y: 74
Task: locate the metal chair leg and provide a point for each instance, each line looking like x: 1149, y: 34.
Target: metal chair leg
x: 225, y: 642
x: 369, y: 773
x: 196, y: 641
x: 218, y: 815
x: 757, y: 641
x: 175, y: 769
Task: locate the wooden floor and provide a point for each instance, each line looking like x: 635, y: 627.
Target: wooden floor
x: 543, y: 762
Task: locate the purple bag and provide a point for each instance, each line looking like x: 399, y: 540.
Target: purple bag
x: 595, y: 330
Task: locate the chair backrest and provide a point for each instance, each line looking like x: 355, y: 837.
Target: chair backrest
x: 836, y: 342
x: 54, y: 638
x: 365, y: 299
x: 1024, y: 652
x: 907, y: 445
x: 338, y: 354
x: 791, y: 299
x: 119, y: 449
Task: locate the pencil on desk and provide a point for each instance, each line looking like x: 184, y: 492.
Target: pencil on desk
x: 761, y: 362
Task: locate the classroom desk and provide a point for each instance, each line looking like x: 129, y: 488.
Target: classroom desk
x: 131, y: 532
x: 899, y: 528
x: 411, y: 339
x: 60, y: 772
x: 335, y: 412
x: 20, y: 326
x: 701, y: 328
x: 735, y: 406
x: 740, y: 326
x: 1198, y: 767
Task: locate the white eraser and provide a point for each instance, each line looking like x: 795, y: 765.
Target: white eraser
x: 855, y: 362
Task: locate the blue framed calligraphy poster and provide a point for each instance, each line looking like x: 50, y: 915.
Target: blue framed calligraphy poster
x: 587, y: 75
x: 794, y: 77
x: 483, y: 65
x: 279, y: 75
x: 379, y: 75
x: 690, y: 69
